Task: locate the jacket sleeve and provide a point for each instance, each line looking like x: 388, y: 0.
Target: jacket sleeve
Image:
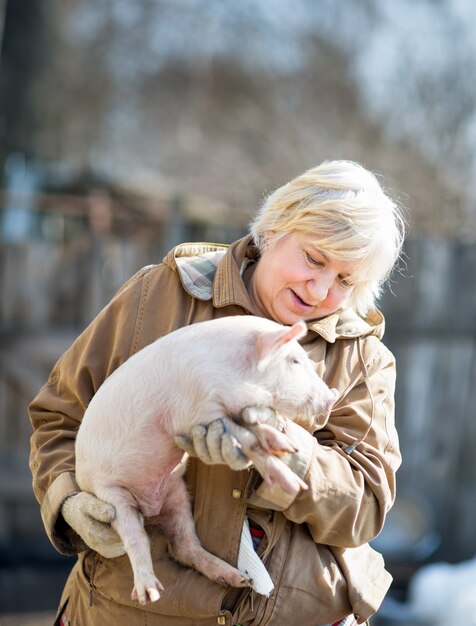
x: 349, y: 492
x: 58, y: 408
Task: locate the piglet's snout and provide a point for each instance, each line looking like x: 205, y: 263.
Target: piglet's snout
x: 325, y: 403
x: 334, y: 394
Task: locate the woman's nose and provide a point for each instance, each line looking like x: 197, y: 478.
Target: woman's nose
x: 319, y: 288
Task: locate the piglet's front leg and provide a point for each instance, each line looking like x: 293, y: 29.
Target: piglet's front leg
x: 269, y: 428
x: 263, y: 445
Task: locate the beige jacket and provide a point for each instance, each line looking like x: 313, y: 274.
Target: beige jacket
x: 316, y: 545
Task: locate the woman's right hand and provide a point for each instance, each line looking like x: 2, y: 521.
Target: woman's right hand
x: 91, y: 518
x: 217, y: 443
x: 213, y: 445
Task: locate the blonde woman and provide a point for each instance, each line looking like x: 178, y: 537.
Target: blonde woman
x: 319, y: 250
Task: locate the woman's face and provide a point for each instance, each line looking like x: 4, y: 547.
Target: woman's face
x: 294, y: 281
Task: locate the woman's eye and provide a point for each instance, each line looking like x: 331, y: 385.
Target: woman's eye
x: 345, y: 282
x: 314, y: 261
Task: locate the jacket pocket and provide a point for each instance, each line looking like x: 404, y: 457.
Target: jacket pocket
x: 368, y: 580
x: 187, y: 593
x: 89, y: 563
x: 311, y: 587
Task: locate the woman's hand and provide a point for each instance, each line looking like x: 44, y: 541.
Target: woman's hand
x: 237, y: 443
x: 213, y: 445
x: 91, y: 518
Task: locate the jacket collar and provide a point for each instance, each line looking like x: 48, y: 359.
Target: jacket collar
x: 228, y: 287
x: 213, y: 272
x: 346, y: 324
x: 197, y: 264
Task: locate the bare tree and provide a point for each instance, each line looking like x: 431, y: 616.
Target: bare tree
x: 221, y: 102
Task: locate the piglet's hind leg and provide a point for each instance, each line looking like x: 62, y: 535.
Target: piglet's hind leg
x: 177, y: 523
x: 129, y: 525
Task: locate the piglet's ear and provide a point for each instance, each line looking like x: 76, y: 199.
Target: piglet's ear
x: 269, y: 343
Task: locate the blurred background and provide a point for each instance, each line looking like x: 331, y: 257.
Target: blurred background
x: 127, y: 127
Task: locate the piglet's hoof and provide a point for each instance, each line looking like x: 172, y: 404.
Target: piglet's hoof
x: 147, y: 592
x: 236, y: 579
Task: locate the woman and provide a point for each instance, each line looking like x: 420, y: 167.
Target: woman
x: 319, y: 250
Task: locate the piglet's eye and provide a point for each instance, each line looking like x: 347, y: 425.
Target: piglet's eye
x: 295, y: 361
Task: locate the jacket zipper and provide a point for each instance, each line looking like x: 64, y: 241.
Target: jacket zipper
x: 92, y: 588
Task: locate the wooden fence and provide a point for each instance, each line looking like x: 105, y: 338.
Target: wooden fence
x: 49, y: 292
x: 431, y: 328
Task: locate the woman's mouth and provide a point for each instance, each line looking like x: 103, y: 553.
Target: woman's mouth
x: 299, y: 303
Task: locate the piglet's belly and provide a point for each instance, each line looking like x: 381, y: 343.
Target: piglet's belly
x: 151, y: 497
x: 141, y: 478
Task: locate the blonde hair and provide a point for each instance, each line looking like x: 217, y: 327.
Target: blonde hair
x: 343, y: 211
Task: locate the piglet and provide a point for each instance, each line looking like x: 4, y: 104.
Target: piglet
x: 125, y: 449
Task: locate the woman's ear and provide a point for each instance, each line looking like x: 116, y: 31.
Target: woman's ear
x: 268, y: 236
